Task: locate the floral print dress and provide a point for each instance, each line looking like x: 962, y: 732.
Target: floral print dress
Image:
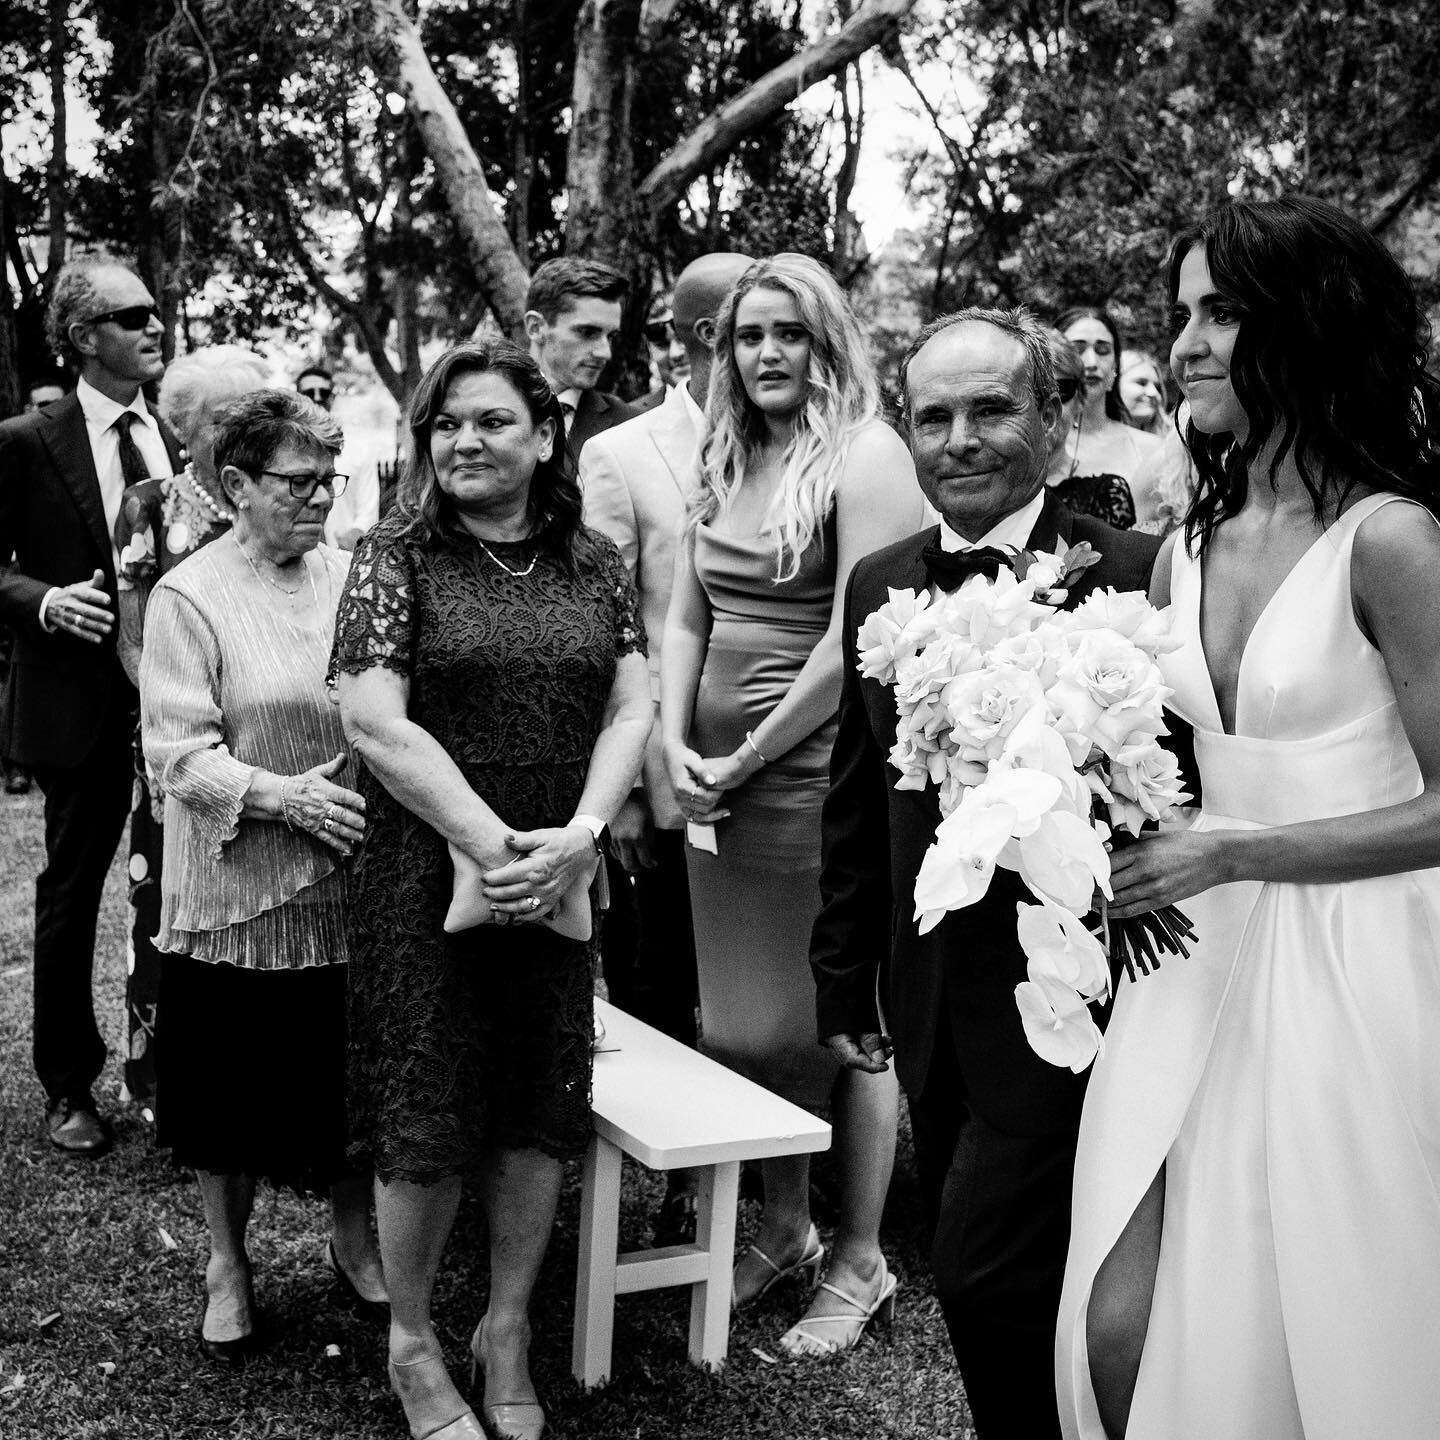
x: 161, y: 523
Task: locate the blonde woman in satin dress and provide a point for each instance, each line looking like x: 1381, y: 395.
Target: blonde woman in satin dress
x: 799, y: 479
x: 248, y: 753
x: 1255, y: 1249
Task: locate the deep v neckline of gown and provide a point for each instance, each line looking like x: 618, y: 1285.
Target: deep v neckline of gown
x: 1264, y: 611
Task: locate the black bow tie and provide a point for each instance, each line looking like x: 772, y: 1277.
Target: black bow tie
x: 949, y: 569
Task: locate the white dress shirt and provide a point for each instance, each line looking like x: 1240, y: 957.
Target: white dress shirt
x: 569, y: 403
x: 100, y: 413
x: 1014, y: 530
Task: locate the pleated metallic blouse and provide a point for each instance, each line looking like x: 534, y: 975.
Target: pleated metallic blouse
x: 229, y: 682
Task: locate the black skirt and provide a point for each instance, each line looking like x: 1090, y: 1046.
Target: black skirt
x: 250, y: 1071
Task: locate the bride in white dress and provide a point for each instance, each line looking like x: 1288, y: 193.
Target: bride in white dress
x: 1255, y: 1251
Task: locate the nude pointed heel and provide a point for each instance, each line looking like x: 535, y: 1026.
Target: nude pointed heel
x: 524, y: 1420
x: 462, y: 1427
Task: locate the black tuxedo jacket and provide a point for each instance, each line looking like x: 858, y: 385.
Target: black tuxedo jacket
x: 866, y: 952
x: 596, y: 411
x: 52, y: 519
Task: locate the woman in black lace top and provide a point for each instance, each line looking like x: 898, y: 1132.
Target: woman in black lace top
x: 1105, y: 497
x: 490, y: 666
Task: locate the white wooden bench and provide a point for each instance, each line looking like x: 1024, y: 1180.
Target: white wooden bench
x: 671, y: 1109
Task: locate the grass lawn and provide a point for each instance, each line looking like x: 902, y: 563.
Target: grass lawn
x: 101, y: 1288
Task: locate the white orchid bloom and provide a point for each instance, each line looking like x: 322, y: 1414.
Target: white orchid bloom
x: 1064, y: 861
x: 1058, y: 945
x: 1058, y: 1024
x: 957, y: 870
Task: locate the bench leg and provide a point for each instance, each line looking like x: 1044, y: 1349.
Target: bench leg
x: 595, y: 1274
x: 719, y: 1193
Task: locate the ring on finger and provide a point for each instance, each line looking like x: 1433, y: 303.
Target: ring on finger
x: 534, y: 902
x: 329, y: 824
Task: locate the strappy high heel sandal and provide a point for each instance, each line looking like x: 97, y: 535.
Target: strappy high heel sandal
x: 463, y: 1427
x: 523, y: 1420
x: 802, y: 1339
x: 810, y: 1260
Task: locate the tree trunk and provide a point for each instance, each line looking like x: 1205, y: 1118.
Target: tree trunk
x: 600, y: 164
x: 57, y: 172
x: 499, y: 271
x: 9, y: 347
x: 873, y: 22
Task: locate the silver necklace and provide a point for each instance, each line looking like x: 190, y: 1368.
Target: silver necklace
x: 517, y: 574
x: 275, y: 584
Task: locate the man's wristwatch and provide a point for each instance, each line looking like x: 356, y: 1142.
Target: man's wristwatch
x: 599, y: 830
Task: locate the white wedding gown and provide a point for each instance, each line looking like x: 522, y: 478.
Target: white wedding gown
x: 1286, y: 1074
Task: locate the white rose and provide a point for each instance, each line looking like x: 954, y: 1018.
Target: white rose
x: 1110, y: 691
x: 1128, y: 613
x: 1144, y: 785
x: 986, y: 705
x: 889, y: 634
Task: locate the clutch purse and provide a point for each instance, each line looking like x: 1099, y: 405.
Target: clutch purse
x: 468, y: 906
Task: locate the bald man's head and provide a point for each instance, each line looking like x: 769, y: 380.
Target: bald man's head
x: 699, y: 292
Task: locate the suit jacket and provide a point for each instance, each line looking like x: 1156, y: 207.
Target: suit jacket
x: 865, y: 950
x: 635, y: 479
x: 596, y: 411
x: 52, y: 518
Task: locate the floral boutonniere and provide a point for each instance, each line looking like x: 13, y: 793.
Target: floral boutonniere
x: 1055, y: 571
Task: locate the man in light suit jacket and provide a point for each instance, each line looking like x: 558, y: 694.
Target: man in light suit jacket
x: 635, y: 479
x: 68, y: 710
x: 994, y: 1125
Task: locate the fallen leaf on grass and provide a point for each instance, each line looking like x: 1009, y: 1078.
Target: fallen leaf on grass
x: 167, y: 1239
x: 107, y: 1368
x: 332, y: 1352
x: 16, y: 1382
x: 46, y: 1321
x: 760, y: 1354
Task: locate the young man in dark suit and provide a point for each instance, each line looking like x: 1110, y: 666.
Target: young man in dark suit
x: 68, y: 711
x: 572, y: 318
x: 994, y: 1125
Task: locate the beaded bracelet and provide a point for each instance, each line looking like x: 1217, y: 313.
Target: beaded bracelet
x: 750, y: 741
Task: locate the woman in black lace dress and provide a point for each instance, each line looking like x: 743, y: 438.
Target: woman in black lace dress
x: 490, y: 666
x: 1104, y: 496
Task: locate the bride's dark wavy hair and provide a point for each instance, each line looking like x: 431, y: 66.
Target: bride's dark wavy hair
x: 1329, y: 357
x: 554, y: 492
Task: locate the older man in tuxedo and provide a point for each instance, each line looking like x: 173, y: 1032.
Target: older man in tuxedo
x: 994, y: 1125
x: 68, y: 711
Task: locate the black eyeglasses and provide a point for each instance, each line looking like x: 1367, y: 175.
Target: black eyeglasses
x: 303, y: 487
x: 128, y: 317
x: 660, y: 332
x: 1067, y: 388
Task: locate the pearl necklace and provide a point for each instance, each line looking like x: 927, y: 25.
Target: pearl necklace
x: 516, y: 574
x: 275, y: 584
x: 206, y: 499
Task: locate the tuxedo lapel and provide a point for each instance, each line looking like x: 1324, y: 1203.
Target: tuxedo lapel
x: 673, y: 435
x: 1053, y: 524
x: 173, y: 448
x: 66, y: 438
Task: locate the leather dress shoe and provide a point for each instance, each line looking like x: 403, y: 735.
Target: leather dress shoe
x: 76, y: 1128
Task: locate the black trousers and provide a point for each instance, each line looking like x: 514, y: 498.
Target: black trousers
x: 1000, y: 1207
x: 86, y: 806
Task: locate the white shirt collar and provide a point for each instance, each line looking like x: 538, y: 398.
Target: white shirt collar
x: 696, y: 413
x: 100, y: 410
x: 570, y: 398
x: 1014, y: 530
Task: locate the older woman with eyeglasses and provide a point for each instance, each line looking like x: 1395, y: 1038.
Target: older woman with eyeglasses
x: 246, y: 748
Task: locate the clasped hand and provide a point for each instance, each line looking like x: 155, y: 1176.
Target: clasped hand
x: 331, y: 813
x: 699, y: 783
x: 1164, y: 869
x: 82, y: 610
x: 546, y: 864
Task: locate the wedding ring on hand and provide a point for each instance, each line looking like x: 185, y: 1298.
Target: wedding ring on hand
x: 329, y: 823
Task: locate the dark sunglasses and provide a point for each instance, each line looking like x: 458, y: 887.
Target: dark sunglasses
x: 128, y: 317
x: 1067, y: 388
x: 303, y: 487
x: 316, y: 393
x: 660, y: 332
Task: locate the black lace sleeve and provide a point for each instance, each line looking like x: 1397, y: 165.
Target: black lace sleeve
x: 629, y: 627
x: 375, y: 622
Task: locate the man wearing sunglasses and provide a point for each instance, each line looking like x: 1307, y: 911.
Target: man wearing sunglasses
x: 68, y: 711
x: 357, y: 506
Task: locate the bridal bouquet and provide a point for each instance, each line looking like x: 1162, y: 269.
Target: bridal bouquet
x: 1039, y: 728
